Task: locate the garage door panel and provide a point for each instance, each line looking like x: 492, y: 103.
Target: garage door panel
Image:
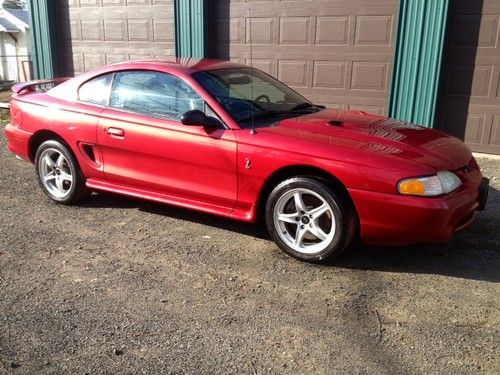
x: 316, y: 7
x: 495, y: 131
x: 259, y: 50
x: 115, y: 58
x: 329, y: 74
x: 476, y: 128
x: 294, y: 30
x: 497, y: 88
x: 115, y: 30
x: 369, y: 76
x: 477, y: 85
x: 97, y: 32
x: 334, y: 52
x: 467, y: 33
x: 266, y: 65
x: 294, y: 72
x: 373, y: 30
x: 93, y: 60
x: 470, y: 94
x: 92, y: 30
x: 331, y: 30
x: 350, y: 101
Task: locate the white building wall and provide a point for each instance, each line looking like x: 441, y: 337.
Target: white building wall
x: 14, y: 51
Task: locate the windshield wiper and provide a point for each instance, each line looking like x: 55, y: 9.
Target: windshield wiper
x: 306, y: 105
x: 261, y: 115
x: 270, y: 113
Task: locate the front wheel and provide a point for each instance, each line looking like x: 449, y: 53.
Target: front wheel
x: 308, y: 220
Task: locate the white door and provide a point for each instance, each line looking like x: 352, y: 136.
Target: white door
x: 10, y: 60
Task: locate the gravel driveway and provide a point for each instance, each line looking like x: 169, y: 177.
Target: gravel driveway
x: 118, y: 285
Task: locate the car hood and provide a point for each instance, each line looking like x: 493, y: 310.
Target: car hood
x: 377, y: 135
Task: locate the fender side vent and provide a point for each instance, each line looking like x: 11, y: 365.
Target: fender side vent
x: 336, y: 123
x: 89, y: 151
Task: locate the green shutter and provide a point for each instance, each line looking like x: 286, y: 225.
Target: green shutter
x: 43, y: 38
x: 191, y: 25
x: 417, y: 62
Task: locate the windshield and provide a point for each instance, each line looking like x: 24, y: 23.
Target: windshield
x: 252, y: 97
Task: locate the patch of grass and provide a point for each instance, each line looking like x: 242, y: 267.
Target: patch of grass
x: 4, y: 116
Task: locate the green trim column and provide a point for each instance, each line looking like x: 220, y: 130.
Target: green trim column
x: 192, y: 21
x: 417, y: 61
x: 43, y: 38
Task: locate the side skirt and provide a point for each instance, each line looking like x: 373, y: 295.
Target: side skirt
x: 97, y: 184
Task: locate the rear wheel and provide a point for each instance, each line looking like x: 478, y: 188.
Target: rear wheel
x: 308, y: 220
x: 58, y: 173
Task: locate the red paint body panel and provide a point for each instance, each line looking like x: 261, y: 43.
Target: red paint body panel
x: 17, y: 141
x: 407, y: 220
x: 74, y: 122
x: 224, y: 171
x: 186, y: 161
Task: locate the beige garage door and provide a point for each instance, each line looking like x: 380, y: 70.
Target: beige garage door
x: 336, y: 52
x: 470, y: 95
x: 92, y: 33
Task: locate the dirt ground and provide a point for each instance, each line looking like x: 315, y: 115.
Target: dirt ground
x: 118, y: 285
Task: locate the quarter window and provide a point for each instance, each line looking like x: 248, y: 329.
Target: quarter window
x: 154, y: 94
x: 96, y: 91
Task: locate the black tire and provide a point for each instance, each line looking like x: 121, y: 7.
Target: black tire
x: 76, y: 189
x: 339, y: 213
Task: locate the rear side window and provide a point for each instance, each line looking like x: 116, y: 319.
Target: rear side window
x: 154, y: 94
x: 96, y: 91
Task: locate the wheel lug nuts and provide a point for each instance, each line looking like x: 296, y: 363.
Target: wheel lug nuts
x: 301, y: 227
x: 310, y: 225
x: 297, y: 219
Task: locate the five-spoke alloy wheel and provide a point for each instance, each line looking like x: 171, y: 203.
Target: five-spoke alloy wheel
x: 58, y: 173
x: 307, y: 219
x: 55, y: 173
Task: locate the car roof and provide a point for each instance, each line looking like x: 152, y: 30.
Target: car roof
x: 187, y: 65
x: 180, y: 66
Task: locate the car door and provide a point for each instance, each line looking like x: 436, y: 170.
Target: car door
x: 145, y: 146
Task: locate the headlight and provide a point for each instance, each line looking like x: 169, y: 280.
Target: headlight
x: 442, y: 183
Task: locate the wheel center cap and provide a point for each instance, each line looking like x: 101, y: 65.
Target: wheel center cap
x: 305, y: 220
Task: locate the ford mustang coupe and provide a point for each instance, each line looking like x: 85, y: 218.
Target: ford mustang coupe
x: 230, y: 140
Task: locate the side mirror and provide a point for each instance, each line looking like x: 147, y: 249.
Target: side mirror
x: 196, y: 117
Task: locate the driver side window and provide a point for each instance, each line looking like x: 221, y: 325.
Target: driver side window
x: 154, y: 94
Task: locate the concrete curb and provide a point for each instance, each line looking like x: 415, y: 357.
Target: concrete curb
x: 486, y: 156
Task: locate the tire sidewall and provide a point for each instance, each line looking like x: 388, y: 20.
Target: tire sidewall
x: 337, y: 243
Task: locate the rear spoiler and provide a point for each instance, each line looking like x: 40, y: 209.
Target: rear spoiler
x: 33, y: 86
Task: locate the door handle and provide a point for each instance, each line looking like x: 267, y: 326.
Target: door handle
x: 116, y: 132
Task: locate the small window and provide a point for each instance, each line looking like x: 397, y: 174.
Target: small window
x: 96, y: 91
x: 154, y: 94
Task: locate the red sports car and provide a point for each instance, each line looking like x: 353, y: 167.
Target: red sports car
x: 230, y: 140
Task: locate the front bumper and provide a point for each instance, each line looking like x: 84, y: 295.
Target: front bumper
x: 18, y: 141
x: 392, y: 219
